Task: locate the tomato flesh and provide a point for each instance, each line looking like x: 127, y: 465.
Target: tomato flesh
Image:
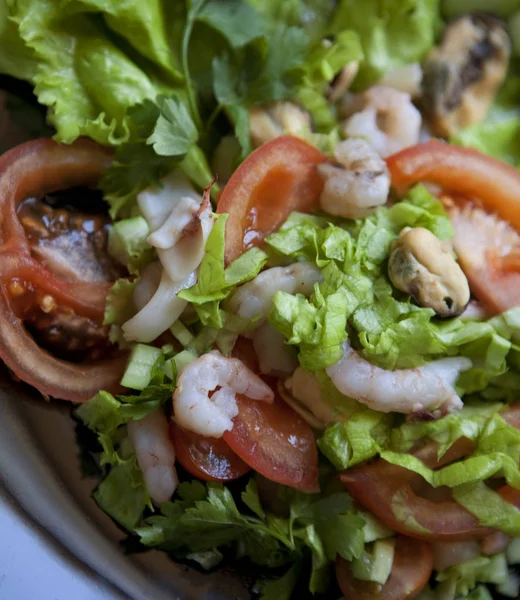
x: 209, y: 459
x: 276, y: 442
x: 388, y: 492
x: 276, y: 179
x: 411, y: 569
x: 30, y: 170
x: 464, y: 170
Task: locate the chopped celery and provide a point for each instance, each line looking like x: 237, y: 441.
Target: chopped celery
x: 362, y: 567
x: 204, y: 341
x: 498, y: 568
x: 383, y: 559
x: 170, y: 368
x: 181, y: 333
x: 127, y: 241
x: 375, y: 565
x: 226, y: 341
x: 167, y: 349
x: 374, y: 529
x: 183, y: 358
x: 140, y: 368
x: 513, y: 552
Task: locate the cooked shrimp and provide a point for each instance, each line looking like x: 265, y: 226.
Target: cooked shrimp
x: 193, y: 407
x: 427, y: 388
x: 356, y: 186
x: 388, y: 120
x: 155, y: 455
x: 255, y: 298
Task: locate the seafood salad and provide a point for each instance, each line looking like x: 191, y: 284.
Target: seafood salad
x: 270, y: 252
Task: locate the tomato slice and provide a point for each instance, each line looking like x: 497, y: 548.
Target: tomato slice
x: 411, y: 569
x: 276, y: 442
x: 33, y: 169
x: 464, y: 170
x: 388, y: 491
x: 209, y: 459
x: 275, y: 180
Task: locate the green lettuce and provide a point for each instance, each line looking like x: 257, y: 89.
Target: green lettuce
x: 496, y: 452
x: 201, y: 518
x: 122, y: 492
x: 392, y: 32
x: 463, y: 578
x: 393, y: 332
x: 499, y: 134
x: 385, y: 326
x: 215, y: 282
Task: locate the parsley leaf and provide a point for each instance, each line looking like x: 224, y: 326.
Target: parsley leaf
x: 164, y: 136
x: 174, y: 132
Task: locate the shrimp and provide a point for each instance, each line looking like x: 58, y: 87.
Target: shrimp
x: 155, y: 455
x: 255, y: 298
x: 358, y: 185
x: 193, y: 407
x: 388, y: 120
x: 427, y: 388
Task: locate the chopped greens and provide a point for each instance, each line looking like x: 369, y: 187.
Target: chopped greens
x: 163, y: 83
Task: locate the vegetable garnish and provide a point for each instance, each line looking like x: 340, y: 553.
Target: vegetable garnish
x: 291, y: 315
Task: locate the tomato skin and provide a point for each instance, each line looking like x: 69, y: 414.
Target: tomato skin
x: 412, y: 567
x: 276, y: 442
x: 387, y: 491
x: 32, y: 169
x: 464, y: 170
x: 276, y: 179
x: 209, y: 459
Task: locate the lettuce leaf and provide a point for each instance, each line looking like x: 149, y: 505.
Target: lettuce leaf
x: 497, y: 452
x: 393, y: 333
x: 215, y: 282
x: 393, y: 32
x: 499, y: 134
x: 163, y: 137
x: 464, y: 577
x: 144, y: 26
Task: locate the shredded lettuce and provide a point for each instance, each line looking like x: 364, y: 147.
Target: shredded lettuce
x: 499, y: 134
x: 392, y: 32
x: 497, y: 452
x: 463, y: 578
x: 215, y: 282
x: 393, y: 333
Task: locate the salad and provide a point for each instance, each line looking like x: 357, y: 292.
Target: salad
x: 270, y: 250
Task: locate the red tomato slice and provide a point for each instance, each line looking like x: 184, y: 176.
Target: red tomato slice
x: 209, y: 459
x: 275, y: 180
x: 469, y: 172
x: 276, y: 442
x: 33, y: 169
x: 511, y: 494
x: 412, y: 567
x: 389, y: 493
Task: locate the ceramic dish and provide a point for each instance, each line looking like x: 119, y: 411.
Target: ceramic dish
x: 39, y: 465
